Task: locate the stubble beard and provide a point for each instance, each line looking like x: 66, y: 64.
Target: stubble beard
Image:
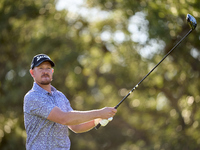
x: 46, y: 81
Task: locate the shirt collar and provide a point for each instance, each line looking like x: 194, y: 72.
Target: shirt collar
x: 36, y: 87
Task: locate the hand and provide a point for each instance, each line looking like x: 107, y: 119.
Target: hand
x: 104, y: 122
x: 107, y: 112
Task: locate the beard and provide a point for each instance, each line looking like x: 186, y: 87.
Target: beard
x: 46, y: 81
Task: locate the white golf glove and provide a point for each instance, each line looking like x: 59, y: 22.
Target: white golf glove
x: 104, y: 122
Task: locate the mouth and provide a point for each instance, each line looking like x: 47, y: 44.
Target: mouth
x: 45, y: 76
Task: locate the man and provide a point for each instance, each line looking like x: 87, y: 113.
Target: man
x: 48, y: 114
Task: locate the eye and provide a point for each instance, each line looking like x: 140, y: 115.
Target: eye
x: 40, y: 68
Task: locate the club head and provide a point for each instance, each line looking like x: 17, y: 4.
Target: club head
x: 191, y: 21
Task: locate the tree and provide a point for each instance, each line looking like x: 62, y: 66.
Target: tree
x: 98, y: 62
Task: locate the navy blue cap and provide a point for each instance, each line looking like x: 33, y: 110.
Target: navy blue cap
x: 40, y: 58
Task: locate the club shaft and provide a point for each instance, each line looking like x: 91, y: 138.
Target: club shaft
x: 148, y: 74
x: 152, y: 69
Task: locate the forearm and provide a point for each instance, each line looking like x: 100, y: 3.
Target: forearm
x: 73, y: 117
x: 80, y: 117
x: 84, y: 127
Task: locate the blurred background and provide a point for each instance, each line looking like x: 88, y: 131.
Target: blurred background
x: 102, y: 49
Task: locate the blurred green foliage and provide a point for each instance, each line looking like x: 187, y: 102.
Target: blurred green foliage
x: 98, y: 61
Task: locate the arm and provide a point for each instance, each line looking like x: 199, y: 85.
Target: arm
x: 79, y: 117
x: 84, y: 127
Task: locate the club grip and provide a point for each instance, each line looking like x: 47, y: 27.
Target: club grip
x: 98, y: 126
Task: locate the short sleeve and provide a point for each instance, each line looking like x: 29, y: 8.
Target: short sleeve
x: 64, y: 103
x: 38, y: 105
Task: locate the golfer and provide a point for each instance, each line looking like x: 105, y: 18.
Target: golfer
x: 48, y: 114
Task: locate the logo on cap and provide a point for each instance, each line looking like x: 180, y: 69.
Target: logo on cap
x: 42, y: 56
x: 38, y: 59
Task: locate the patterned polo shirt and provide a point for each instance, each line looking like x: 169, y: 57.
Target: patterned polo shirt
x: 43, y: 134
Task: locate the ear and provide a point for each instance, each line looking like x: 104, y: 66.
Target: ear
x: 31, y: 72
x: 52, y: 70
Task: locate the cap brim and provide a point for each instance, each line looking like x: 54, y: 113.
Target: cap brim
x: 51, y: 62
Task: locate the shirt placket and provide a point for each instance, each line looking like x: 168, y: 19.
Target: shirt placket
x: 53, y: 98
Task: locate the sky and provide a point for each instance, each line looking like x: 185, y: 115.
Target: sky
x: 79, y: 7
x: 69, y: 4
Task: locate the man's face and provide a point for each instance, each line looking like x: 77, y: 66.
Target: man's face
x: 43, y: 73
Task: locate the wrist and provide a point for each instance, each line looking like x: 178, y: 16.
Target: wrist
x: 96, y: 121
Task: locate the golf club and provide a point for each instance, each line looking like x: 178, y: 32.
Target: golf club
x: 192, y: 23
